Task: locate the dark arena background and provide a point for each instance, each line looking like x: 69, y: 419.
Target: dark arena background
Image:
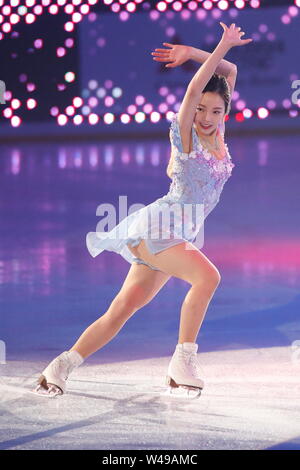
x: 85, y: 113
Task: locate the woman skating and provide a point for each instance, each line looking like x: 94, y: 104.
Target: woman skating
x: 199, y: 166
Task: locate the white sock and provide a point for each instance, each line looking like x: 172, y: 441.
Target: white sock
x: 75, y: 358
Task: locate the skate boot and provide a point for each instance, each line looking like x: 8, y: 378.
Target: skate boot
x: 183, y: 376
x: 52, y: 381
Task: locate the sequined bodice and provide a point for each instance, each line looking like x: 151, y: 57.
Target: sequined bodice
x: 198, y: 176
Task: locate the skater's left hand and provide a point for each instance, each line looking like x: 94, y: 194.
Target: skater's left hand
x: 232, y: 35
x: 177, y: 55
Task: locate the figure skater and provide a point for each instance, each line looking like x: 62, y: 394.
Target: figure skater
x: 199, y: 166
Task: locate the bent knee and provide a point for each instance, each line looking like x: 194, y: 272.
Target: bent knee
x: 214, y: 277
x: 131, y: 301
x: 211, y: 279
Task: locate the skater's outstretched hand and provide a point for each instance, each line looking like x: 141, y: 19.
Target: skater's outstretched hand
x: 176, y: 55
x: 232, y: 36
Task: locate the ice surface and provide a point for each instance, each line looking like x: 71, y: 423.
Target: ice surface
x: 250, y: 401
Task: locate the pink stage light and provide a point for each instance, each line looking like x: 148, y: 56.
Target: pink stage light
x: 62, y: 120
x: 31, y: 103
x: 15, y: 121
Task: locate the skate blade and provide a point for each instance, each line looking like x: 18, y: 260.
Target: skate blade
x: 190, y: 393
x: 45, y: 389
x: 51, y: 392
x: 184, y: 391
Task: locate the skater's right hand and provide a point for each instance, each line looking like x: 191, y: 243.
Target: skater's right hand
x: 232, y: 36
x: 177, y: 55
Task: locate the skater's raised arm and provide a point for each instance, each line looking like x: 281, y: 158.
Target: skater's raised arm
x: 178, y: 54
x: 225, y: 68
x: 231, y: 37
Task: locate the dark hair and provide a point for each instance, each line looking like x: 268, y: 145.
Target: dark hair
x: 219, y: 84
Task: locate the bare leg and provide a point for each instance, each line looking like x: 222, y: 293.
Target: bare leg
x: 104, y: 329
x: 194, y: 267
x: 140, y: 286
x: 193, y: 310
x: 143, y: 283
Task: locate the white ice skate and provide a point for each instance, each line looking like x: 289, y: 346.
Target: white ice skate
x: 52, y: 381
x: 183, y: 376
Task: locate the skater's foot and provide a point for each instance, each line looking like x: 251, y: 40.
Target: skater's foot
x: 51, y: 391
x: 53, y: 379
x: 47, y: 389
x: 183, y: 378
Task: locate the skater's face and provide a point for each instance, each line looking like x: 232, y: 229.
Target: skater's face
x: 209, y: 112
